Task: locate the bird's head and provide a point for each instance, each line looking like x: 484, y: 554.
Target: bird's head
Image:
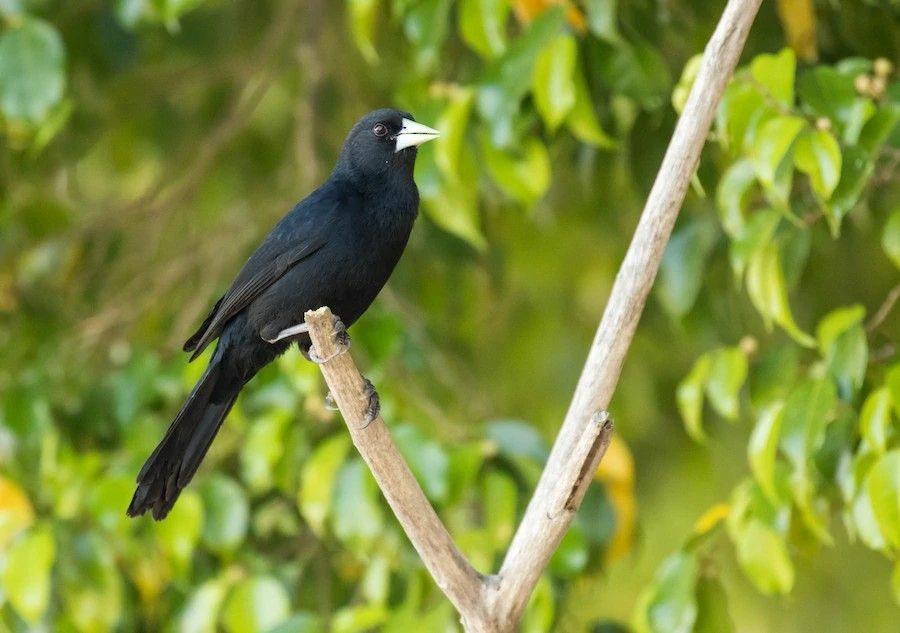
x: 383, y: 144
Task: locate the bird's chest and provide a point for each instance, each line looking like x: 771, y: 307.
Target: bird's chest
x: 373, y: 249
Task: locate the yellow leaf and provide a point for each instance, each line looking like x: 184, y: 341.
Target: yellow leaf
x: 799, y: 22
x: 616, y: 471
x: 16, y: 512
x: 617, y: 466
x: 527, y: 10
x: 622, y: 500
x: 711, y: 518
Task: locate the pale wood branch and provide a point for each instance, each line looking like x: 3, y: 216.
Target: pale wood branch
x: 526, y: 558
x: 494, y: 604
x: 451, y: 571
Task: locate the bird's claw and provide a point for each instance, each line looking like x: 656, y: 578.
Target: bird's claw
x: 343, y: 342
x: 330, y: 402
x: 374, y: 407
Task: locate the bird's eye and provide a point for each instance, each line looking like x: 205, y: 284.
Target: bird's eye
x: 380, y: 129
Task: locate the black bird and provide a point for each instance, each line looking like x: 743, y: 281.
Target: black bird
x: 336, y: 248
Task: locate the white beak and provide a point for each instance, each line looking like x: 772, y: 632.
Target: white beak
x: 412, y: 134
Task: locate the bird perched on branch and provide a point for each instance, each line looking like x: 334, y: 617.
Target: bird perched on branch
x: 337, y: 247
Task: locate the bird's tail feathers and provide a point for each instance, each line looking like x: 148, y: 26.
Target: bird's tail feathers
x: 175, y: 460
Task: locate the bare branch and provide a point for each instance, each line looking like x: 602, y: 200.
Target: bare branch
x: 451, y: 571
x: 882, y: 313
x: 524, y: 562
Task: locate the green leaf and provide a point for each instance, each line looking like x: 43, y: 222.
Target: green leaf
x: 890, y: 238
x: 362, y: 16
x: 818, y: 155
x: 843, y: 344
x: 689, y: 398
x: 763, y: 448
x: 895, y: 582
x: 836, y: 323
x: 712, y: 607
x: 865, y: 522
x: 773, y: 146
x: 91, y: 585
x: 425, y: 27
x: 500, y: 500
x: 571, y: 557
x: 540, y: 609
x: 825, y: 92
x: 883, y: 488
x: 582, y: 120
x: 763, y: 556
x: 848, y: 360
x: 202, y: 609
x: 256, y: 605
x: 426, y: 459
x: 317, y: 480
x: 180, y: 533
x: 753, y: 236
x: 669, y: 604
x: 11, y: 8
x: 634, y: 69
x: 508, y: 78
x: 726, y: 377
x: 525, y: 175
x: 106, y: 501
x: 863, y: 109
x: 733, y: 194
x: 26, y: 578
x: 892, y: 382
x: 482, y: 25
x: 773, y: 375
x: 768, y: 292
x: 359, y: 619
x: 878, y: 128
x: 856, y: 170
x: 681, y: 271
x: 452, y: 123
x: 518, y: 439
x: 451, y: 203
x: 775, y: 75
x: 804, y: 419
x: 553, y: 80
x: 32, y: 70
x: 741, y: 105
x: 601, y: 18
x: 357, y: 518
x: 262, y: 450
x: 875, y: 419
x: 303, y: 622
x: 227, y: 514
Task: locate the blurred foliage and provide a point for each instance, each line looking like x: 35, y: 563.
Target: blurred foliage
x: 146, y: 147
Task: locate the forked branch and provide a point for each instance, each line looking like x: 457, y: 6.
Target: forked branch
x: 494, y: 604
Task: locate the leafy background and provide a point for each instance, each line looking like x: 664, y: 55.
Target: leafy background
x: 754, y: 483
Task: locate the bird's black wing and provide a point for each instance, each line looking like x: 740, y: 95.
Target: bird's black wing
x: 281, y: 250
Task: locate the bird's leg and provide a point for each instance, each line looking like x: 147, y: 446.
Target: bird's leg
x: 294, y: 330
x: 374, y: 407
x: 343, y: 342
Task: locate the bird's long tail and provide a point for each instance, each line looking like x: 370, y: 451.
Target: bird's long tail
x: 173, y: 463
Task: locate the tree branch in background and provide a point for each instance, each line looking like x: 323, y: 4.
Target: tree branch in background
x: 494, y: 604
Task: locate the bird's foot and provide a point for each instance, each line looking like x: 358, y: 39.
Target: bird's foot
x: 374, y: 407
x: 343, y: 342
x: 330, y: 402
